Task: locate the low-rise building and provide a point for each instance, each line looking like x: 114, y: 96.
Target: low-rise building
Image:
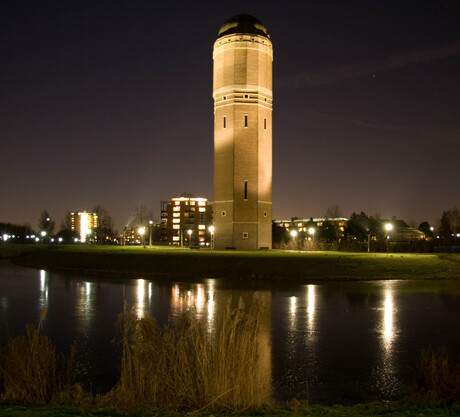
x: 185, y: 220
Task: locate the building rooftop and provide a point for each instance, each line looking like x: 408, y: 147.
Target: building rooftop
x: 243, y: 23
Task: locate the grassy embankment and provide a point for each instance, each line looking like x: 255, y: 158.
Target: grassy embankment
x: 273, y: 265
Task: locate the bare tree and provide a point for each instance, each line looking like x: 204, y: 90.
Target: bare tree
x: 66, y: 222
x: 142, y: 215
x: 105, y: 224
x: 46, y: 223
x: 333, y: 212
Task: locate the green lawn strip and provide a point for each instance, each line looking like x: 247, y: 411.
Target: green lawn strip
x: 268, y: 265
x: 391, y: 409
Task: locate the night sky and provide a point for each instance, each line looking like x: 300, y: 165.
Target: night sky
x: 110, y: 103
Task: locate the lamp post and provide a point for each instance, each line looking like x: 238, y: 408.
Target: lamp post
x: 388, y: 228
x: 189, y: 231
x: 150, y: 232
x: 312, y: 231
x: 211, y: 229
x: 293, y: 233
x: 141, y: 231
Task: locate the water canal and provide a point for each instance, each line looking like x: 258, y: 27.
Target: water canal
x: 339, y: 342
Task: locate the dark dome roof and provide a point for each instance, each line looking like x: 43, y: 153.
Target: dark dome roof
x: 243, y: 23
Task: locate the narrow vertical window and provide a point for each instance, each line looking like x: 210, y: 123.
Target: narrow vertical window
x: 225, y: 122
x: 245, y: 120
x: 265, y: 123
x: 245, y: 189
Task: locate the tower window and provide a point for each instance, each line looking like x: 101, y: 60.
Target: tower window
x: 265, y: 214
x: 245, y: 120
x: 225, y: 98
x: 265, y: 123
x: 225, y: 122
x: 223, y: 213
x: 246, y: 96
x: 245, y: 235
x: 245, y: 189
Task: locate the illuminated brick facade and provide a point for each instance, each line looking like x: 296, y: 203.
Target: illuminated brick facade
x: 242, y: 92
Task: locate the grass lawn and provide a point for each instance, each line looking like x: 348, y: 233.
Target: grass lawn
x: 392, y: 409
x: 272, y: 265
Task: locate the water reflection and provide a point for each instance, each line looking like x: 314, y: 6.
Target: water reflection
x: 385, y: 372
x: 200, y: 298
x: 337, y: 341
x: 85, y: 308
x: 310, y: 307
x: 43, y: 299
x: 388, y: 332
x: 140, y: 305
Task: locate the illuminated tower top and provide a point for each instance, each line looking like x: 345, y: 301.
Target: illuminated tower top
x: 243, y: 23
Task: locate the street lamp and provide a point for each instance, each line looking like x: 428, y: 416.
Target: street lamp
x: 312, y: 231
x: 211, y: 229
x: 189, y: 231
x: 141, y: 231
x: 150, y: 232
x: 388, y: 229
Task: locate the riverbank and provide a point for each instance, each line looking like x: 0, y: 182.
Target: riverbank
x: 393, y: 409
x: 167, y: 262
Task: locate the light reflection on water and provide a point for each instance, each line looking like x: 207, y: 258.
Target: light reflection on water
x: 43, y: 299
x: 384, y: 373
x: 332, y: 341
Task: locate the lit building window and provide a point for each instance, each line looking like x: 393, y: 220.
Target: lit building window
x: 176, y: 220
x: 201, y: 227
x: 176, y: 226
x: 177, y: 203
x: 202, y: 208
x: 201, y: 203
x: 192, y: 203
x: 176, y: 214
x: 176, y: 208
x: 176, y: 238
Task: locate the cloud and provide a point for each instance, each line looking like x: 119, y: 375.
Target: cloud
x: 362, y: 69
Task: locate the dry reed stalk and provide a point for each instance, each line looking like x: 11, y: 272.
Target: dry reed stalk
x: 437, y: 378
x: 185, y: 368
x: 31, y: 371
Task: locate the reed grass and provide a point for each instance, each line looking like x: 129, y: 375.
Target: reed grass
x: 32, y: 372
x: 437, y: 378
x: 183, y: 367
